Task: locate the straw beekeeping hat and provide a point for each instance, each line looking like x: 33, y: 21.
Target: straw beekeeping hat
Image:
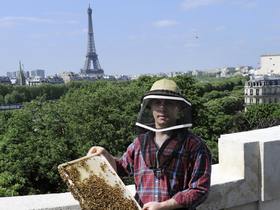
x: 164, y: 89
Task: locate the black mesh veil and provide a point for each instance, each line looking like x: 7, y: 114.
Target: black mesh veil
x: 182, y: 115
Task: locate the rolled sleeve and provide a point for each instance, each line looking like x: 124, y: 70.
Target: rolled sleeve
x: 125, y: 163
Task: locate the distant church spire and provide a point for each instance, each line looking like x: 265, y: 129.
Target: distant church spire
x: 21, y: 80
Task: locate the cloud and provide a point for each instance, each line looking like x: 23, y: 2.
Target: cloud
x: 245, y: 3
x: 220, y: 28
x: 192, y: 4
x: 138, y: 37
x: 165, y: 23
x: 71, y: 22
x: 191, y: 44
x: 14, y: 20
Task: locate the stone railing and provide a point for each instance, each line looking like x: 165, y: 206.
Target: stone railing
x: 248, y: 173
x: 246, y: 178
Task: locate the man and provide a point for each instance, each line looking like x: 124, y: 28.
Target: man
x: 170, y: 165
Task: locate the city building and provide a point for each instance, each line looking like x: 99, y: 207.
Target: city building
x: 5, y: 80
x: 245, y: 70
x: 178, y: 73
x: 109, y: 77
x: 197, y: 73
x: 39, y: 73
x: 14, y: 74
x: 35, y: 81
x: 122, y: 77
x: 54, y: 79
x: 269, y: 65
x: 228, y: 72
x: 262, y: 90
x: 70, y: 76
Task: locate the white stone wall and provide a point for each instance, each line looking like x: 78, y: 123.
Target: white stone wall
x: 248, y: 175
x: 270, y: 64
x: 246, y: 178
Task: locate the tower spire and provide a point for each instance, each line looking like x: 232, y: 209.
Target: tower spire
x: 21, y: 80
x: 91, y: 56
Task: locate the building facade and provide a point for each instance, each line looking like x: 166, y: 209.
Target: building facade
x: 14, y: 74
x: 269, y: 65
x: 70, y: 76
x: 5, y: 80
x: 35, y: 81
x: 262, y: 90
x: 37, y: 73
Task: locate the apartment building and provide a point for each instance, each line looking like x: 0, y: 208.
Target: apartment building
x: 262, y: 90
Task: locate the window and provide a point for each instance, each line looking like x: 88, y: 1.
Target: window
x: 257, y: 100
x: 257, y: 92
x: 251, y: 92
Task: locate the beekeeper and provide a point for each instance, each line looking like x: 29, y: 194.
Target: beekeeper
x: 171, y: 166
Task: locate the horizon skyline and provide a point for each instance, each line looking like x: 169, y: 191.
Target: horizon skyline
x: 181, y: 35
x: 154, y: 73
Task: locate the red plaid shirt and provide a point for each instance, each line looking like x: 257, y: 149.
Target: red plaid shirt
x: 185, y: 169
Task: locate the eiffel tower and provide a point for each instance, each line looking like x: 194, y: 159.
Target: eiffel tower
x: 91, y: 57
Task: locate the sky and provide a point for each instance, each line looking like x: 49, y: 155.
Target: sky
x: 137, y: 37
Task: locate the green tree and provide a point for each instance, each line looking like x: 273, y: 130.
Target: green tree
x: 33, y: 146
x: 263, y: 115
x: 14, y: 97
x: 2, y: 100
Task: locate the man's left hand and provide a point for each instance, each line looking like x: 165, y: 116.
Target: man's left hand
x: 164, y: 205
x: 153, y: 206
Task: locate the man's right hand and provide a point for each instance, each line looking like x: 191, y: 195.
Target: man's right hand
x: 97, y: 150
